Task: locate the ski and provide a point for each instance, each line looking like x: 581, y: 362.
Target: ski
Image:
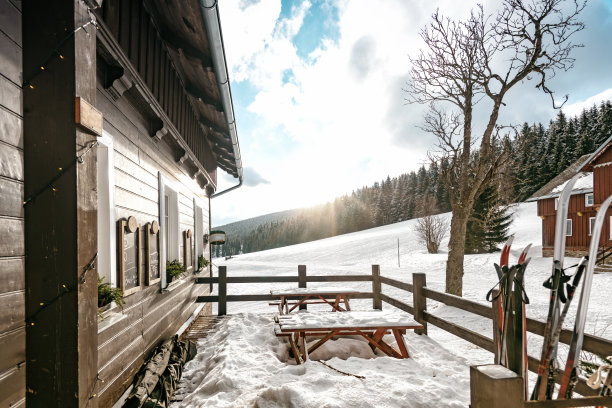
x: 545, y: 380
x: 569, y: 378
x: 516, y: 337
x: 502, y: 271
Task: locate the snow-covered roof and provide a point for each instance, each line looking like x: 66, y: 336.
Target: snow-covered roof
x: 588, y: 163
x: 554, y: 187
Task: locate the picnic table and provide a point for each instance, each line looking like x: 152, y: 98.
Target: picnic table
x: 292, y: 298
x: 371, y: 325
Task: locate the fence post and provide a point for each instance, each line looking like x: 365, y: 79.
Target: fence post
x: 222, y: 291
x: 496, y: 322
x: 419, y: 301
x: 495, y: 386
x: 302, y: 281
x: 376, y: 299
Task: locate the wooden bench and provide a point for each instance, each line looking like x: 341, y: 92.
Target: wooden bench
x: 292, y: 298
x: 371, y: 325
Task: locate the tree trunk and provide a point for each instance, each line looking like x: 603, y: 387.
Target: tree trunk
x: 456, y: 252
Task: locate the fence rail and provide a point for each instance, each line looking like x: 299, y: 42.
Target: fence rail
x: 420, y: 295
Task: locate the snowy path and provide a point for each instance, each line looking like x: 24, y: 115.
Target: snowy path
x: 249, y: 368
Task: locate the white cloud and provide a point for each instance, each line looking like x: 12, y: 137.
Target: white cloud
x: 340, y: 122
x: 576, y: 108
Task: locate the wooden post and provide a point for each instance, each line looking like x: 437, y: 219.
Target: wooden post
x: 222, y: 291
x: 496, y: 386
x: 376, y: 288
x: 61, y: 339
x: 302, y: 281
x: 496, y: 321
x: 419, y: 301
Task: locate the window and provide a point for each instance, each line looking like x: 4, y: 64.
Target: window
x: 591, y: 225
x: 588, y: 200
x: 169, y: 225
x: 107, y: 258
x: 198, y: 232
x: 568, y: 226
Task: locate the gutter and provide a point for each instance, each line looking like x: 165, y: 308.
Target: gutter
x: 210, y: 13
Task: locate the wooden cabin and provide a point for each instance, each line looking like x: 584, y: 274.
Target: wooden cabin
x: 588, y: 194
x: 115, y: 117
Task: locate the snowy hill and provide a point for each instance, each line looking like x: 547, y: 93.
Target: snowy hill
x: 243, y: 227
x: 244, y: 364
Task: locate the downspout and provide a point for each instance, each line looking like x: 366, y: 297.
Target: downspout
x: 210, y: 13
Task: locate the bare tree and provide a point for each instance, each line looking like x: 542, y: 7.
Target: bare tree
x: 480, y: 60
x: 430, y: 228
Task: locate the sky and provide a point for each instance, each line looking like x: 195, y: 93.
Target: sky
x: 317, y: 87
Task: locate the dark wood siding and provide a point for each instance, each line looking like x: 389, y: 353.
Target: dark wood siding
x: 133, y: 29
x: 12, y: 266
x: 149, y: 316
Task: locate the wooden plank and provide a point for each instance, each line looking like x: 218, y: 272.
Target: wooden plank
x: 10, y: 21
x: 581, y: 387
x: 129, y: 182
x: 135, y: 170
x: 376, y: 287
x: 11, y: 162
x: 12, y: 275
x: 12, y: 305
x: 128, y: 199
x: 397, y: 284
x: 10, y: 63
x: 339, y: 278
x: 11, y: 237
x: 11, y: 128
x: 12, y: 344
x: 10, y: 96
x: 396, y: 303
x: 12, y: 387
x: 577, y: 402
x: 419, y: 300
x: 466, y: 334
x: 459, y: 302
x: 11, y: 198
x: 597, y: 345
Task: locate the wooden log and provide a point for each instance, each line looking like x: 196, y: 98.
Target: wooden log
x: 419, y: 300
x: 222, y: 291
x: 302, y: 282
x: 376, y: 288
x: 495, y: 386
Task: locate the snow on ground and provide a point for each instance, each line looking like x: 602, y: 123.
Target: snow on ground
x: 242, y: 364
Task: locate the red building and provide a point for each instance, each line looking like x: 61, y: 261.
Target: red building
x: 588, y: 194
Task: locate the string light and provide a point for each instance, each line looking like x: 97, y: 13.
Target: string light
x: 57, y: 51
x: 51, y: 184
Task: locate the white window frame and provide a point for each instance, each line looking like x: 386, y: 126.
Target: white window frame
x: 106, y: 235
x: 170, y: 242
x: 568, y: 227
x: 198, y: 232
x: 591, y: 224
x: 586, y: 200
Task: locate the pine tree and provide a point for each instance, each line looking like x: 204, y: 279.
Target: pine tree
x: 488, y: 224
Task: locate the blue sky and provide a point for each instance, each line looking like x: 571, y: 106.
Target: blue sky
x: 317, y: 91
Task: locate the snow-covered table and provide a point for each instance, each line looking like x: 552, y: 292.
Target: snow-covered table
x: 292, y: 298
x: 371, y: 325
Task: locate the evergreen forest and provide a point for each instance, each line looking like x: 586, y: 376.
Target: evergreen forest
x: 533, y: 157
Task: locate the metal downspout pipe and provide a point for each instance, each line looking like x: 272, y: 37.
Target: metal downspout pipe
x: 210, y: 13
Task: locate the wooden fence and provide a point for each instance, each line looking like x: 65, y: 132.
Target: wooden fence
x: 420, y: 295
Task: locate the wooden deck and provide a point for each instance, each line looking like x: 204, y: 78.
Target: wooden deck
x: 202, y: 326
